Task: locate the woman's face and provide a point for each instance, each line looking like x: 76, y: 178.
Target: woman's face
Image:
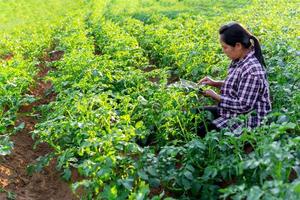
x: 232, y: 52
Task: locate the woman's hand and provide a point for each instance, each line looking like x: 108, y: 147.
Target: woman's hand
x: 209, y: 81
x: 212, y: 94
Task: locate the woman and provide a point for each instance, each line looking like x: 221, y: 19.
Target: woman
x: 245, y: 90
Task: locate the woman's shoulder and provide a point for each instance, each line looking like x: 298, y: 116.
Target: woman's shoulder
x: 252, y: 67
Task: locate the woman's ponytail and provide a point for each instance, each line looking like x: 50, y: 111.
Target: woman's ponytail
x: 258, y: 52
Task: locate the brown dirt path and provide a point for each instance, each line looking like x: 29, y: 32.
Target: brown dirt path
x: 13, y: 175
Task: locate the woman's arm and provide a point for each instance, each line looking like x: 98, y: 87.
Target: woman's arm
x: 209, y: 81
x: 212, y: 94
x: 219, y: 84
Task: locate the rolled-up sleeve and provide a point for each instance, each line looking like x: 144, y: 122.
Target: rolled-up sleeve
x: 248, y: 91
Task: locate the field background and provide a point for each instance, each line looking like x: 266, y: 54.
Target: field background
x: 90, y: 80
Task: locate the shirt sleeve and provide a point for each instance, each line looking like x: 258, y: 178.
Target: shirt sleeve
x: 246, y: 97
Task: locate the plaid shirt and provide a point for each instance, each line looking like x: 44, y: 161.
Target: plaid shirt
x: 245, y: 91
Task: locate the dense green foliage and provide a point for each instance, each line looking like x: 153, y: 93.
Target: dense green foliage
x: 116, y: 121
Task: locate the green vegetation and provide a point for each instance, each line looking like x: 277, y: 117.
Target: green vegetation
x: 116, y: 121
x: 26, y: 32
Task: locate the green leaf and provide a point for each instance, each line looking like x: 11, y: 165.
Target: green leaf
x: 255, y: 193
x: 20, y: 127
x: 143, y: 175
x: 282, y: 118
x: 5, y: 145
x: 186, y: 184
x: 103, y: 171
x: 40, y: 163
x: 290, y: 125
x: 152, y: 171
x: 209, y: 173
x: 188, y: 175
x: 85, y: 183
x: 11, y: 196
x: 154, y: 182
x: 110, y: 192
x: 142, y: 192
x: 196, y: 188
x: 67, y: 174
x: 127, y: 183
x: 297, y: 188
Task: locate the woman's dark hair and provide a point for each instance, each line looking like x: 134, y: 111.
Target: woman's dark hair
x: 234, y: 32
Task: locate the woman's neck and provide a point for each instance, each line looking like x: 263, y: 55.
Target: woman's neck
x: 244, y: 53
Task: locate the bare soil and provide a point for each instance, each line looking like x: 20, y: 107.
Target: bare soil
x: 7, y: 57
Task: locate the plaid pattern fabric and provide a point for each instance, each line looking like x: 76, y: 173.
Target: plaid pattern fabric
x: 245, y: 91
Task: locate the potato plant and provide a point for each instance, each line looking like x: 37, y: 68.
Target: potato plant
x: 119, y: 123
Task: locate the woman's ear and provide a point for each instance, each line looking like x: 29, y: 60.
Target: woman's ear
x: 238, y: 46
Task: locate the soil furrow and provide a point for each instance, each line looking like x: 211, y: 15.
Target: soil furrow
x: 13, y: 168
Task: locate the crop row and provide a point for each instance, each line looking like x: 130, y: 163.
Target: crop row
x: 21, y: 50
